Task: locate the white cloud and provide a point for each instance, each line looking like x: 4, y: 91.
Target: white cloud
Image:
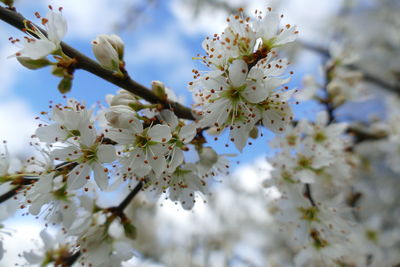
x: 85, y: 18
x: 165, y: 47
x: 22, y: 232
x: 251, y: 176
x: 8, y: 67
x: 166, y: 50
x: 17, y: 124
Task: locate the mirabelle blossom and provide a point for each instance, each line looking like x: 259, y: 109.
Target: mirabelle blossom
x: 39, y: 45
x: 245, y: 83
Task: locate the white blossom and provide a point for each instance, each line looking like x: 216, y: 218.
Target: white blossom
x: 38, y: 45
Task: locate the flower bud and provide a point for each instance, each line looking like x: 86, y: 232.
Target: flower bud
x: 122, y: 99
x: 65, y: 85
x: 120, y: 116
x: 117, y: 44
x: 158, y: 89
x: 253, y: 133
x: 105, y: 53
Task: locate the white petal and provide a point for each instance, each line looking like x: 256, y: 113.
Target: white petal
x: 176, y: 159
x: 121, y: 136
x: 37, y: 49
x: 69, y: 153
x: 100, y: 175
x: 87, y: 135
x: 160, y: 133
x: 51, y: 133
x: 56, y: 27
x: 48, y: 240
x: 169, y: 117
x: 187, y: 133
x: 255, y: 92
x: 269, y: 25
x: 305, y: 176
x: 240, y: 135
x: 238, y: 72
x: 286, y: 36
x: 272, y: 119
x: 68, y: 215
x: 158, y: 164
x: 77, y: 177
x: 276, y: 67
x: 32, y: 257
x: 273, y: 83
x: 218, y: 113
x: 37, y: 204
x: 106, y: 153
x: 187, y: 199
x: 45, y: 183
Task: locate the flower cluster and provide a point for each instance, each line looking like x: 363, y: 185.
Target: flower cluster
x: 311, y: 171
x: 246, y: 82
x: 152, y: 146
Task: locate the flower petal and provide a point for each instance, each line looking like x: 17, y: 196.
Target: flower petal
x: 160, y: 133
x: 51, y: 133
x: 56, y: 27
x: 100, y: 175
x: 37, y: 49
x: 169, y: 118
x: 106, y: 153
x: 238, y: 72
x: 77, y: 178
x: 187, y: 133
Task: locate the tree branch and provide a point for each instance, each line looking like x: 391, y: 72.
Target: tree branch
x: 83, y: 62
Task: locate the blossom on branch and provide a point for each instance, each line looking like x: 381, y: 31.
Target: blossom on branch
x: 37, y: 45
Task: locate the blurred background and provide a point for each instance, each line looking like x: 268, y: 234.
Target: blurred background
x: 161, y: 38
